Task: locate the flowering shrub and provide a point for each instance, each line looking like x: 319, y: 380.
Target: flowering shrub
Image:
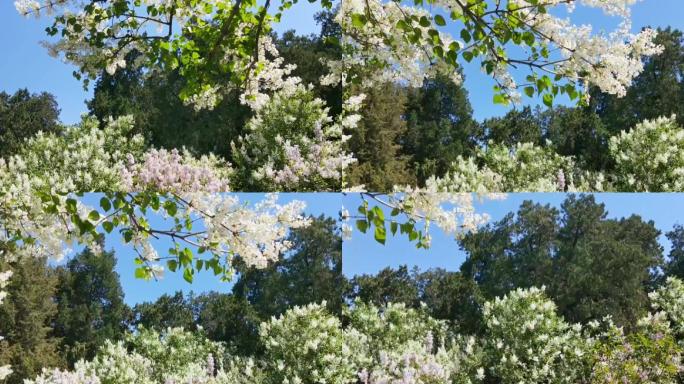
x: 529, y: 342
x: 523, y: 168
x: 307, y: 345
x: 147, y: 357
x: 669, y: 299
x: 650, y: 157
x: 524, y: 340
x: 649, y: 355
x: 292, y: 144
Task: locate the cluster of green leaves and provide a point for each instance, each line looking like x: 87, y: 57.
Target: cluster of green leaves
x: 373, y: 219
x: 196, y: 49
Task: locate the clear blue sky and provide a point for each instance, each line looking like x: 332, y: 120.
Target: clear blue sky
x: 25, y: 64
x: 137, y: 290
x: 362, y: 254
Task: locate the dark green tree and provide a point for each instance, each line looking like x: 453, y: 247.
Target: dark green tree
x: 308, y: 53
x: 592, y: 266
x: 26, y: 316
x: 517, y: 126
x: 310, y: 273
x: 167, y: 311
x: 675, y: 259
x: 230, y: 319
x: 162, y: 117
x: 578, y: 132
x: 387, y: 286
x: 22, y: 115
x: 440, y: 127
x: 90, y: 305
x: 376, y: 141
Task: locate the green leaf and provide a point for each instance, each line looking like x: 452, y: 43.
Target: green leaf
x: 108, y: 226
x: 439, y: 20
x: 380, y: 234
x: 362, y: 225
x: 465, y: 35
x: 393, y: 227
x: 170, y: 207
x: 500, y: 99
x: 142, y: 273
x: 548, y: 100
x: 187, y: 275
x: 173, y: 265
x: 105, y: 204
x: 94, y: 215
x: 529, y: 91
x: 359, y: 20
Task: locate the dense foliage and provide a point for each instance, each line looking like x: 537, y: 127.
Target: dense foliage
x: 524, y: 340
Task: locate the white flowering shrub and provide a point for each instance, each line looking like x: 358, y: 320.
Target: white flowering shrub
x: 292, y: 144
x: 307, y: 345
x: 408, y: 346
x: 390, y: 327
x: 650, y: 157
x: 669, y: 299
x: 529, y: 342
x: 524, y: 341
x: 148, y: 357
x: 524, y: 168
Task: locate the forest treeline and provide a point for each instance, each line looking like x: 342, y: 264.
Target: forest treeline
x: 54, y: 316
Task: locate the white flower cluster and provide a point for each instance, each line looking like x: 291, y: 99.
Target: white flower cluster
x: 256, y: 234
x: 171, y: 171
x: 530, y: 343
x: 669, y: 299
x: 524, y: 168
x: 308, y: 345
x: 391, y: 41
x: 174, y: 356
x: 292, y: 144
x: 381, y: 53
x: 650, y: 157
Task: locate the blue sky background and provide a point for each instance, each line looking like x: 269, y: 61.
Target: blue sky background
x: 362, y: 254
x: 26, y: 64
x: 137, y: 290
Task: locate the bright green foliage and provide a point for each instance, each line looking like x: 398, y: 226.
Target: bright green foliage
x: 22, y: 115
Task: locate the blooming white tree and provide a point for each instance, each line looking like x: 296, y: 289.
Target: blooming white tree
x: 389, y: 40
